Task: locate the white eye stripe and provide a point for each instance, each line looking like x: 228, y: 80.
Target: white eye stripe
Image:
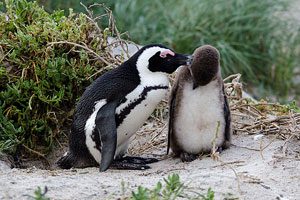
x: 147, y: 77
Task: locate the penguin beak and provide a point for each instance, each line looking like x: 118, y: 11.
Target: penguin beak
x: 190, y: 60
x: 184, y: 59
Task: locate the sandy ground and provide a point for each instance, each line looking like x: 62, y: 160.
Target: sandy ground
x: 242, y: 173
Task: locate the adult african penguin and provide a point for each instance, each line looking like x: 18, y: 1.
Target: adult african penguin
x: 116, y: 105
x: 197, y: 105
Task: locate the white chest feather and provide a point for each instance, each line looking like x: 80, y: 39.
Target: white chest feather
x: 198, y: 116
x: 138, y: 115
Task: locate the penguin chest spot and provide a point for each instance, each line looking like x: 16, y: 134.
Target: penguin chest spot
x: 198, y: 116
x: 138, y: 106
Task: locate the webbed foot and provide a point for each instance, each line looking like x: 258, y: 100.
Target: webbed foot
x: 220, y: 149
x: 132, y: 163
x: 137, y: 160
x: 188, y: 157
x: 124, y: 165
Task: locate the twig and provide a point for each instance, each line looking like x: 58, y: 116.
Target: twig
x: 90, y: 17
x: 233, y: 76
x: 252, y: 149
x: 285, y: 157
x: 227, y: 163
x: 99, y: 71
x: 235, y: 173
x: 214, y: 153
x: 81, y: 46
x: 37, y: 153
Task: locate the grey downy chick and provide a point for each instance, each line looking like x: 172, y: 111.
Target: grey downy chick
x: 198, y: 107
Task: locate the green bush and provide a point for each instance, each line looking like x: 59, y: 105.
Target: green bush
x: 39, y: 83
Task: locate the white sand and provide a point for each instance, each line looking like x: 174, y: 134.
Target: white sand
x: 275, y: 176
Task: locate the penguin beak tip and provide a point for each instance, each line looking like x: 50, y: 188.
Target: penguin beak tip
x: 189, y: 59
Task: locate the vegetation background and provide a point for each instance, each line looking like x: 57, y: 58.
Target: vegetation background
x: 39, y: 84
x: 255, y: 38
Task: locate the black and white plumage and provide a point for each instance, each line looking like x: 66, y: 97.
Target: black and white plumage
x: 197, y: 104
x: 116, y: 105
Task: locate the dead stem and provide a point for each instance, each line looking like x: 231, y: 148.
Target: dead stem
x: 252, y: 149
x: 108, y: 67
x: 37, y: 153
x: 83, y: 47
x: 229, y: 163
x: 113, y: 27
x: 235, y: 173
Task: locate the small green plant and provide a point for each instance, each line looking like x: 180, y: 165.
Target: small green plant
x: 210, y: 195
x: 172, y: 188
x: 293, y: 106
x: 142, y: 193
x: 39, y: 194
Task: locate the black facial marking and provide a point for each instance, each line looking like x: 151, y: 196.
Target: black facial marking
x: 120, y: 117
x: 167, y: 64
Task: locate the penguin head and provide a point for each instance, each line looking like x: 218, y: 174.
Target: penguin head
x: 156, y: 58
x: 205, y: 65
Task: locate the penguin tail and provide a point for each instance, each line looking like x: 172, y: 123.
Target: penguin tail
x: 67, y: 161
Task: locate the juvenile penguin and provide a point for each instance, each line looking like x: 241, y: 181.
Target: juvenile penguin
x: 115, y: 106
x: 198, y: 107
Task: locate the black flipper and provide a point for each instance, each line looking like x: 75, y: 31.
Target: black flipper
x: 107, y: 129
x: 171, y: 113
x: 228, y: 130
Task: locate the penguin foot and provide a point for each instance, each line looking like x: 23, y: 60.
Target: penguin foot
x: 116, y: 164
x: 69, y: 160
x: 188, y: 157
x: 66, y: 162
x: 226, y: 144
x: 137, y: 160
x: 220, y: 149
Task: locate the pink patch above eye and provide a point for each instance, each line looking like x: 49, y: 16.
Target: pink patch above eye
x: 164, y: 54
